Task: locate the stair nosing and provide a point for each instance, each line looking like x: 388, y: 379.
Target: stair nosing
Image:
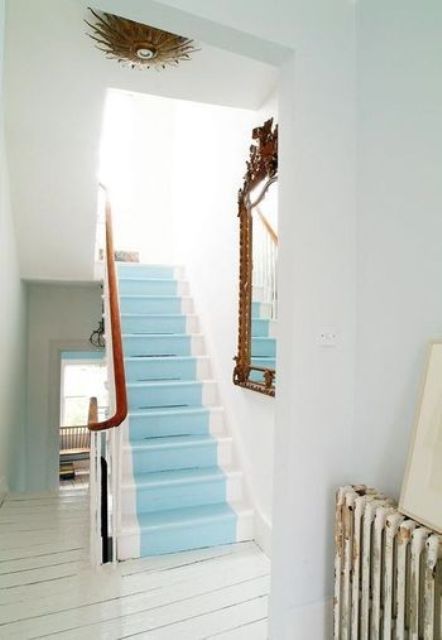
x: 131, y: 524
x: 155, y: 296
x: 162, y: 335
x: 187, y: 441
x: 208, y: 474
x: 169, y: 383
x: 195, y: 409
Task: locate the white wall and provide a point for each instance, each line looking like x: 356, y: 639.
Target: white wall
x: 12, y: 323
x: 60, y: 317
x: 55, y: 100
x: 315, y: 401
x: 399, y: 226
x: 212, y: 147
x: 137, y: 159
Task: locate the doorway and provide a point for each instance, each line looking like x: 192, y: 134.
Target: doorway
x: 82, y: 375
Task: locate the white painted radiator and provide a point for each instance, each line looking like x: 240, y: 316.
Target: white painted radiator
x: 388, y: 571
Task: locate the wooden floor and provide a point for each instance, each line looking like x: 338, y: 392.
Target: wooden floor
x: 49, y: 590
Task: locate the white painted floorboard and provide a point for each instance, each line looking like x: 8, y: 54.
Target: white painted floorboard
x: 49, y: 590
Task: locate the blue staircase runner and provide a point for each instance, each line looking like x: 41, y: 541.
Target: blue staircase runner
x: 180, y: 490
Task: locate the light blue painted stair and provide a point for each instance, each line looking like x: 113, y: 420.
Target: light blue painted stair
x: 211, y: 524
x: 175, y: 495
x: 174, y: 452
x: 144, y: 304
x: 147, y: 395
x: 159, y: 323
x: 148, y: 287
x: 138, y: 345
x: 169, y: 421
x: 263, y: 344
x: 178, y: 489
x: 151, y: 368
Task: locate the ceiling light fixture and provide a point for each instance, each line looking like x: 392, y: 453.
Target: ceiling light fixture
x: 137, y: 45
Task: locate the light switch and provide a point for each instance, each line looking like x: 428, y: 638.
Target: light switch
x: 328, y: 339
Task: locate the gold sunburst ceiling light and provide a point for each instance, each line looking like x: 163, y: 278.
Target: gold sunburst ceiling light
x: 138, y: 45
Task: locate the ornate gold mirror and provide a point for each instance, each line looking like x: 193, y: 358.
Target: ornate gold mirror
x: 257, y: 212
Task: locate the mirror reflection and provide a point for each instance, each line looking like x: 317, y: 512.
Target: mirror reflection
x: 264, y: 293
x: 258, y: 296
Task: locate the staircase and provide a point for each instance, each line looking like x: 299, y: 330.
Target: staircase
x: 263, y: 334
x: 180, y: 487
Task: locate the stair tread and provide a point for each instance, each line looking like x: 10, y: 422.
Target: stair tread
x: 168, y: 358
x: 130, y: 265
x: 175, y: 411
x: 159, y: 315
x: 184, y: 517
x: 186, y: 440
x: 179, y: 476
x: 168, y: 383
x: 150, y: 279
x: 160, y: 335
x: 155, y: 296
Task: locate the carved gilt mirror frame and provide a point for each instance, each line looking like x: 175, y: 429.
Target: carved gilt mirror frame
x: 262, y: 169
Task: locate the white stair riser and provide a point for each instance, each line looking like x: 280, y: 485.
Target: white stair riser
x: 198, y: 347
x: 182, y: 288
x: 192, y: 324
x: 203, y: 368
x: 217, y: 423
x: 209, y: 394
x: 187, y: 306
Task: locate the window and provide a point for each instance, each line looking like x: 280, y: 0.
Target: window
x: 81, y: 380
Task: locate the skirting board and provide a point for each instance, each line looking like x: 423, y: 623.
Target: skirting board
x: 263, y: 533
x: 309, y: 621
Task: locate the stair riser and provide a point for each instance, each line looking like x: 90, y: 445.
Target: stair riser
x: 163, y: 345
x: 193, y: 394
x: 179, y: 496
x: 127, y: 272
x: 187, y: 537
x: 160, y: 324
x: 132, y: 287
x: 167, y: 459
x: 261, y: 310
x: 260, y: 328
x: 156, y: 305
x: 157, y: 425
x: 167, y: 369
x: 263, y: 347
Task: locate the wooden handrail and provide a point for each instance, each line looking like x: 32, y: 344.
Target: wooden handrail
x: 117, y: 343
x: 272, y: 233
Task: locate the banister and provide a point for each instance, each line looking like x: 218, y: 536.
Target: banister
x: 117, y: 344
x: 270, y: 230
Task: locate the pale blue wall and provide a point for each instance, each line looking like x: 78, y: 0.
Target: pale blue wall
x: 12, y: 323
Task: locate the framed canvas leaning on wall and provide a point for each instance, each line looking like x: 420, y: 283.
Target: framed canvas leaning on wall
x: 421, y: 496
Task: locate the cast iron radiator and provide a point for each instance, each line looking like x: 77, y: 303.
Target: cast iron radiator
x: 388, y: 571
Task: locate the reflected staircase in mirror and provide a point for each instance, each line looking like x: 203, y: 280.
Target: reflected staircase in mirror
x: 264, y: 296
x: 263, y: 334
x: 180, y: 486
